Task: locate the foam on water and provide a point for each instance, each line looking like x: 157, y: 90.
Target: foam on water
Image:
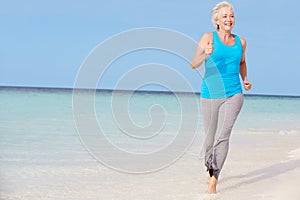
x: 292, y: 132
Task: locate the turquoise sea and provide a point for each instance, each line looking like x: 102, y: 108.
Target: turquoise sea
x: 40, y: 145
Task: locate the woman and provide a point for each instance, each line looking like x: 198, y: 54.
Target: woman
x: 221, y: 92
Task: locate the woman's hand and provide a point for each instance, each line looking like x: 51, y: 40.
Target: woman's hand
x: 247, y: 85
x: 203, y: 50
x: 209, y: 48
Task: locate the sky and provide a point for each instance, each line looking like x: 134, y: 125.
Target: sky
x: 44, y: 43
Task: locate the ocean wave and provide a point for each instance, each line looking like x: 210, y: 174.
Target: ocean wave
x: 292, y: 132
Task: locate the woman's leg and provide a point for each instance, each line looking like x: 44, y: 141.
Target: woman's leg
x: 228, y: 113
x: 210, y: 112
x: 219, y: 116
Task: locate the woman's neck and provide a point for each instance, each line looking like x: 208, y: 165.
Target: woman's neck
x: 224, y: 35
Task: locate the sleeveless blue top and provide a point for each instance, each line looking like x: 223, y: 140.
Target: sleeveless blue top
x: 222, y: 69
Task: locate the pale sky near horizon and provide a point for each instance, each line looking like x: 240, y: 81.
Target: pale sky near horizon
x: 43, y: 43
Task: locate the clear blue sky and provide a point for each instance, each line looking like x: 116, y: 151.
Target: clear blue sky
x: 43, y: 43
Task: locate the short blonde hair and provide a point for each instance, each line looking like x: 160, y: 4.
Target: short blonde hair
x: 215, y: 12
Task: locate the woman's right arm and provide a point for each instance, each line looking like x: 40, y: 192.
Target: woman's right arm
x: 203, y: 50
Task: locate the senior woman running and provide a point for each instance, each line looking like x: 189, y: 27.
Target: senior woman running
x: 221, y: 92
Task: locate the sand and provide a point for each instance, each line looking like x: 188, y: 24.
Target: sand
x: 262, y: 167
x: 259, y: 166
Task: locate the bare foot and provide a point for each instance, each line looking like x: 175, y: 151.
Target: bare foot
x: 208, y: 178
x: 212, y: 186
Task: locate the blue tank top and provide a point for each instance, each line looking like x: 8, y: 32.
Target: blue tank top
x: 222, y: 69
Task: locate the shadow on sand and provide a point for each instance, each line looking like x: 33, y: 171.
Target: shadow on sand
x: 260, y: 174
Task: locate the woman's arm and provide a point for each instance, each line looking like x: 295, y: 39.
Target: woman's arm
x: 243, y: 67
x: 204, y: 49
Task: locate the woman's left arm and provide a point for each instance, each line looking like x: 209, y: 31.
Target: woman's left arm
x: 243, y: 67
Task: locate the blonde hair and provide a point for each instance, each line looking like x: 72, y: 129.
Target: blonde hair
x: 215, y: 12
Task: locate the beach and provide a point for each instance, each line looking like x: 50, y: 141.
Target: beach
x: 43, y: 157
x: 264, y: 166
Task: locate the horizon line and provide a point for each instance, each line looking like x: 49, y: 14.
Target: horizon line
x: 127, y: 90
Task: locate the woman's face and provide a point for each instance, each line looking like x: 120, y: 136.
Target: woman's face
x: 226, y: 19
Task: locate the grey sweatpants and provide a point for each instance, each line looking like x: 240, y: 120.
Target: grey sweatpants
x: 219, y: 116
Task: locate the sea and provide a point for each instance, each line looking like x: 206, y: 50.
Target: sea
x: 52, y: 139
